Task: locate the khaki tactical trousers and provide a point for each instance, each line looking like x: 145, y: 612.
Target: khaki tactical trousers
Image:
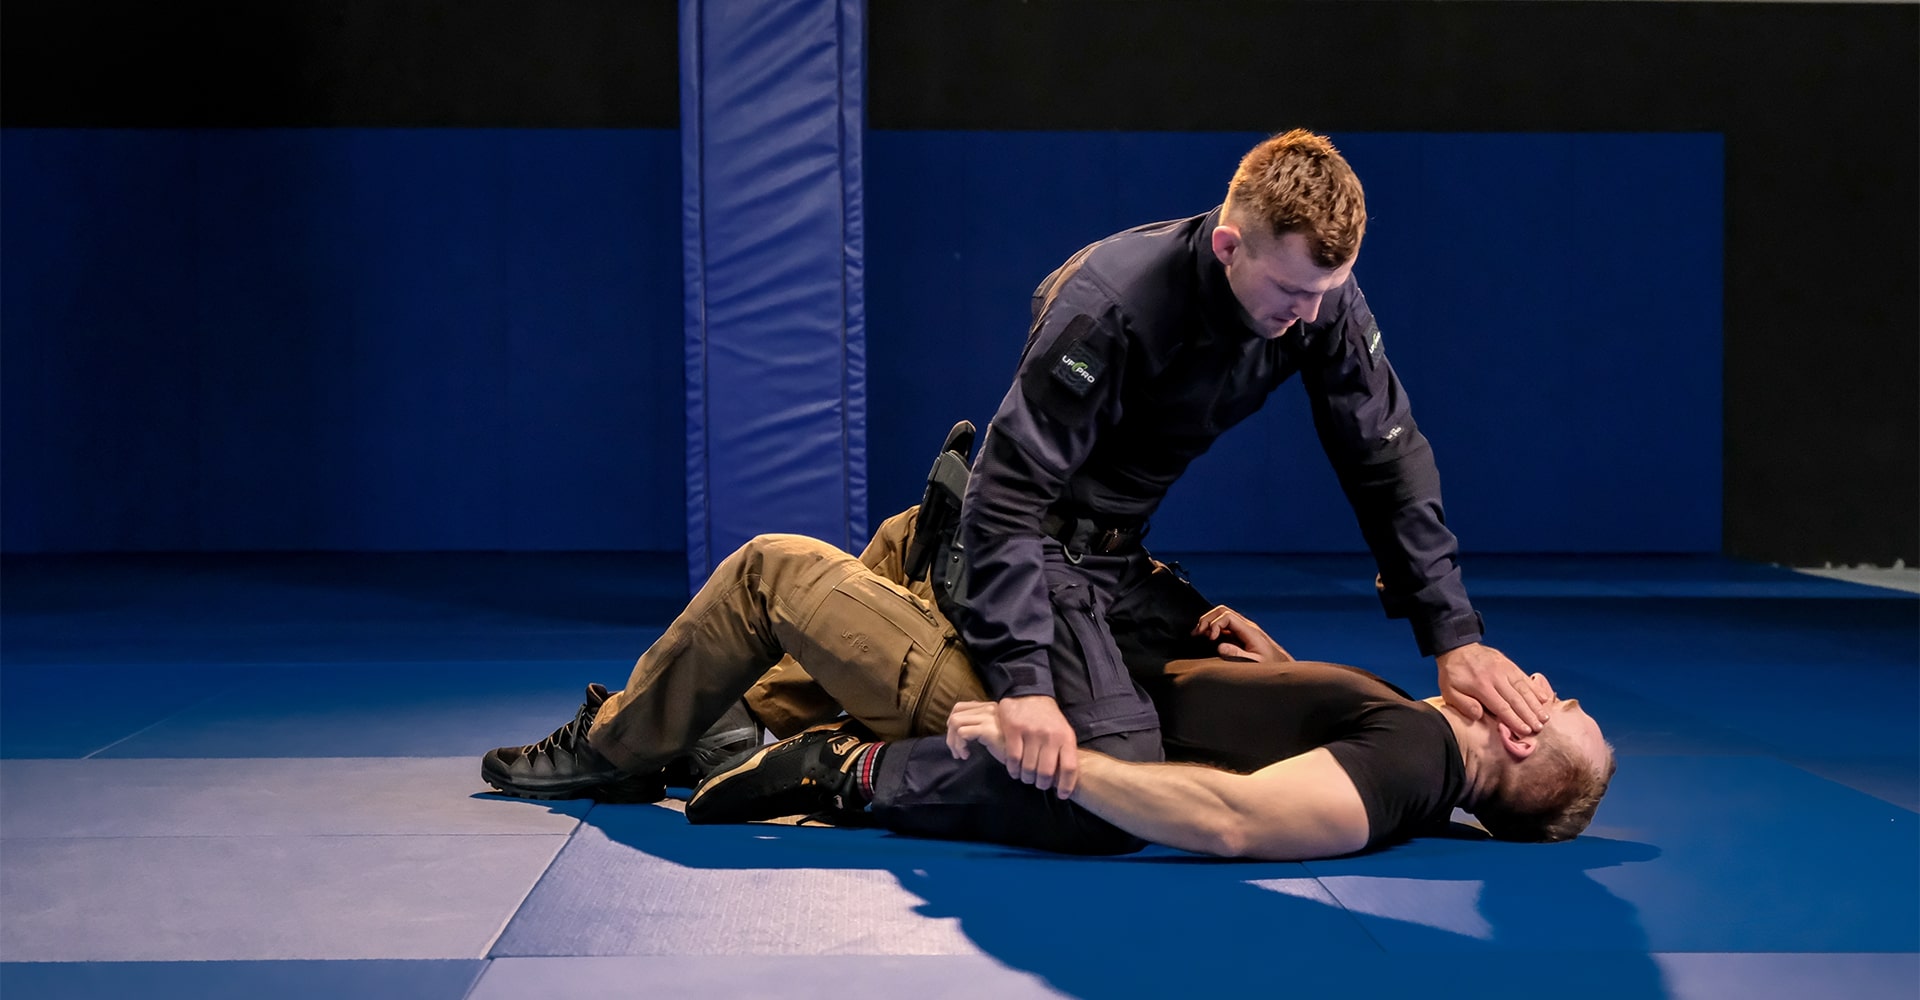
x: 802, y: 630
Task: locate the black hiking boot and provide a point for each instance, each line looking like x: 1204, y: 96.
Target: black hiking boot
x: 736, y: 733
x: 564, y: 766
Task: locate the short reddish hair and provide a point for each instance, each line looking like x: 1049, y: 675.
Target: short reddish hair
x: 1549, y: 796
x: 1298, y: 183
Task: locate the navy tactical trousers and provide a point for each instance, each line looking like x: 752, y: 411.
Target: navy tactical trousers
x: 1111, y: 612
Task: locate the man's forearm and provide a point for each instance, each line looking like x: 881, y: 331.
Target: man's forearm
x: 1010, y: 627
x: 1397, y: 503
x: 1179, y: 805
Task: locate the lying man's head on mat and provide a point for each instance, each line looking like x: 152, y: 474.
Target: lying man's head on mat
x: 1540, y: 787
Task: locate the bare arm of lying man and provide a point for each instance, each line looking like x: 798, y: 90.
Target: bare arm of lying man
x: 1302, y: 807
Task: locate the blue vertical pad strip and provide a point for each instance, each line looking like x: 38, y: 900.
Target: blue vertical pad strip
x: 775, y: 346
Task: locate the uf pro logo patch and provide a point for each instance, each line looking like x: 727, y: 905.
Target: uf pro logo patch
x: 1078, y: 368
x: 1060, y: 379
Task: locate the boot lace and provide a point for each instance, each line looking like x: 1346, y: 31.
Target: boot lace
x: 566, y: 739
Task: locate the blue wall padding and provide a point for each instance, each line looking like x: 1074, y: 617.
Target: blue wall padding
x: 776, y: 369
x: 341, y: 339
x: 1552, y: 301
x: 447, y: 339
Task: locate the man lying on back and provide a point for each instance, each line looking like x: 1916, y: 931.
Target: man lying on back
x: 1339, y: 761
x: 1350, y: 761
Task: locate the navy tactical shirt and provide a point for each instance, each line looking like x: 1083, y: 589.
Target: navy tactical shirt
x: 1136, y: 361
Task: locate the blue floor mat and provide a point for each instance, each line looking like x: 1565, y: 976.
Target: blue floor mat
x: 81, y: 709
x: 280, y: 797
x: 379, y: 710
x: 1686, y: 854
x: 363, y: 980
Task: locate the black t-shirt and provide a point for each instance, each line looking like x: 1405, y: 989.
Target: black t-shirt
x: 1400, y: 752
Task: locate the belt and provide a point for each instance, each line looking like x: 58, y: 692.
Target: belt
x: 1080, y: 535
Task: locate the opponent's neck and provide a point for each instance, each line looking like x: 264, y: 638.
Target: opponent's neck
x: 1476, y: 755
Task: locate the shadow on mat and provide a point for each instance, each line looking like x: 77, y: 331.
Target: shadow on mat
x: 1165, y: 924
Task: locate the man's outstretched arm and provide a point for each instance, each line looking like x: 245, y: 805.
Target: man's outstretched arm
x: 1300, y: 808
x: 1303, y: 807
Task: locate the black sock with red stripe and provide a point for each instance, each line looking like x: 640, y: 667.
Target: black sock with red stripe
x: 866, y: 763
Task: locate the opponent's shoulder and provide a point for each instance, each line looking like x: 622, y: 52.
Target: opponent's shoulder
x: 1405, y: 764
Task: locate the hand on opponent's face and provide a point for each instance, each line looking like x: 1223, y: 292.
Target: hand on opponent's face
x: 1477, y: 679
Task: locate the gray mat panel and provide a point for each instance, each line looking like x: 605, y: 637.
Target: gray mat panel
x: 215, y: 798
x: 754, y: 977
x: 241, y: 898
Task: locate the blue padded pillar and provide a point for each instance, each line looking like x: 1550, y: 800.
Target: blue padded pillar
x: 770, y: 119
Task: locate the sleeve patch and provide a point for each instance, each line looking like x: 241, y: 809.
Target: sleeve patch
x: 1078, y: 368
x: 1068, y: 378
x: 1372, y: 339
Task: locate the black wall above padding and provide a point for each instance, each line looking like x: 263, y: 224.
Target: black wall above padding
x: 1819, y: 105
x: 292, y: 63
x: 1384, y: 65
